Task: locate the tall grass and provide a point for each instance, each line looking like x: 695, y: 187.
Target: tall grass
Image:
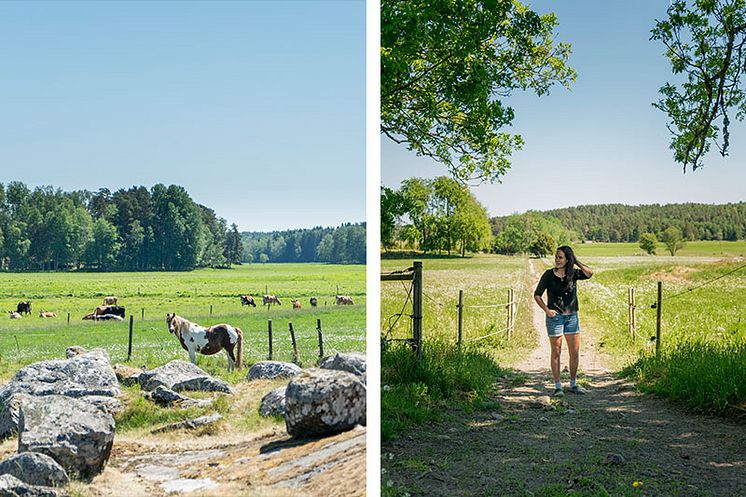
x: 704, y: 377
x: 413, y: 393
x: 703, y: 329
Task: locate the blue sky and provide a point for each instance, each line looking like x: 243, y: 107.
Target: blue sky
x: 256, y: 108
x: 602, y: 141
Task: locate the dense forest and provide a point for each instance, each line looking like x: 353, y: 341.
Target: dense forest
x: 344, y: 245
x: 140, y: 229
x: 130, y: 229
x: 625, y: 223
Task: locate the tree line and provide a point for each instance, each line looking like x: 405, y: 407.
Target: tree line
x: 626, y: 223
x: 344, y: 244
x: 130, y: 229
x: 442, y: 213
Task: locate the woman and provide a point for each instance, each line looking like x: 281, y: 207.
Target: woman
x: 561, y: 309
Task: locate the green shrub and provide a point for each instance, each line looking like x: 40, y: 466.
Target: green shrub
x: 702, y: 376
x: 413, y: 394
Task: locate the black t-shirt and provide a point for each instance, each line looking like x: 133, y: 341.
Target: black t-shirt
x: 559, y: 298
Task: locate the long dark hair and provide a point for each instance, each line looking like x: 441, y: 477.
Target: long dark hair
x: 569, y: 265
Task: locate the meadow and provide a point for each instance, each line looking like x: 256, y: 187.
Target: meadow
x: 205, y: 296
x: 703, y: 338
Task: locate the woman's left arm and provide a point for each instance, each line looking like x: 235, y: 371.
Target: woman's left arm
x: 586, y: 270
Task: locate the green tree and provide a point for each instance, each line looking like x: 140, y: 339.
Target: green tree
x: 706, y: 43
x: 648, y: 242
x: 103, y: 248
x: 543, y: 245
x: 446, y: 65
x: 233, y: 246
x: 672, y: 239
x: 392, y: 209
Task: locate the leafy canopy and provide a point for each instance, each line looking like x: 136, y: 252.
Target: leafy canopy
x: 705, y: 44
x: 445, y: 65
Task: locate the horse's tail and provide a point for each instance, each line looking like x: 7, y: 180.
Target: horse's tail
x: 239, y: 348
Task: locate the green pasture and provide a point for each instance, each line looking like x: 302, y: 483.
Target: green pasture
x: 149, y: 296
x: 700, y: 248
x: 485, y: 280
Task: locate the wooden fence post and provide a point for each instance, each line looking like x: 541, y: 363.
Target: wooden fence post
x: 68, y: 319
x: 417, y: 308
x: 321, y: 339
x: 129, y: 348
x: 460, y: 317
x: 634, y: 314
x: 210, y: 311
x: 142, y: 314
x: 269, y: 327
x: 507, y: 312
x: 295, y: 345
x: 658, y: 320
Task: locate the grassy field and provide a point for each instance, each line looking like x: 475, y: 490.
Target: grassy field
x: 702, y: 363
x: 415, y: 393
x: 691, y: 249
x: 149, y: 296
x: 703, y: 359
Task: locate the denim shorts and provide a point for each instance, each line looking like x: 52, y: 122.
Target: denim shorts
x: 563, y: 324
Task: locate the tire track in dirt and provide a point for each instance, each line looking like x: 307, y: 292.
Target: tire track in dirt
x: 612, y: 441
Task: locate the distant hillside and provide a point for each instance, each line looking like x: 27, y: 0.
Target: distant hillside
x: 625, y: 223
x: 341, y: 245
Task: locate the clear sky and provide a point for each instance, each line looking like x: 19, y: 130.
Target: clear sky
x: 602, y: 141
x: 256, y: 108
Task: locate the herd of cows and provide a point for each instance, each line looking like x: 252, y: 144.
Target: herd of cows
x: 272, y: 299
x: 111, y: 311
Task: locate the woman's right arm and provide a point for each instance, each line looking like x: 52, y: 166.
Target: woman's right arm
x: 540, y: 289
x: 549, y: 312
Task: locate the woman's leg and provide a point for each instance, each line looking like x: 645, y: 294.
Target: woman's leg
x: 573, y: 346
x: 555, y: 343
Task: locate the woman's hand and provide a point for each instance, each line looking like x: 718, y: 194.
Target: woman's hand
x: 551, y: 313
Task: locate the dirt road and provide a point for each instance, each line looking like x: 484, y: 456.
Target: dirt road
x: 612, y: 441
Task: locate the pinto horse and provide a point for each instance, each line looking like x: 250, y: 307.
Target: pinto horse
x: 207, y: 340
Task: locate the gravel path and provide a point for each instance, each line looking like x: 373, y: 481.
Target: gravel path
x: 612, y: 441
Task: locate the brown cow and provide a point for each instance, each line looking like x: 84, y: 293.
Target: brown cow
x: 270, y: 299
x: 247, y: 300
x: 344, y: 300
x: 112, y: 300
x: 296, y: 304
x: 47, y: 314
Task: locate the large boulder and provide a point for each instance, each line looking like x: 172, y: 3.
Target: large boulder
x: 269, y: 370
x: 35, y: 469
x: 273, y: 404
x: 323, y: 402
x: 74, y: 432
x: 84, y: 375
x: 352, y: 362
x: 180, y: 376
x: 10, y: 486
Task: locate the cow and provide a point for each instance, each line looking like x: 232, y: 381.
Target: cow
x: 314, y: 301
x: 116, y: 310
x: 296, y: 304
x: 14, y: 315
x: 247, y: 300
x: 47, y: 314
x: 344, y: 300
x: 102, y: 317
x: 270, y: 299
x: 112, y: 300
x: 207, y: 340
x: 23, y: 307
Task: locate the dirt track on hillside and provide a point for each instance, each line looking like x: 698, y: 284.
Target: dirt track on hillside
x: 612, y: 441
